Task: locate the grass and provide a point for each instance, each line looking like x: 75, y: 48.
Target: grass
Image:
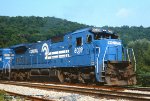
x: 2, y: 94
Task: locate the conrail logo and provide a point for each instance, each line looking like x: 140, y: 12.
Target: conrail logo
x: 54, y: 54
x: 114, y: 43
x: 45, y: 49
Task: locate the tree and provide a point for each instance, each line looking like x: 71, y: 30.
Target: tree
x: 142, y: 53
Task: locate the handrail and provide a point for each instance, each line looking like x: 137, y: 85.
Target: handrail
x: 128, y: 54
x: 131, y: 56
x: 134, y: 60
x: 104, y: 57
x: 98, y: 56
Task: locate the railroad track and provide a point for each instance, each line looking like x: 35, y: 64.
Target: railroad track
x: 26, y: 97
x: 113, y: 93
x: 139, y: 88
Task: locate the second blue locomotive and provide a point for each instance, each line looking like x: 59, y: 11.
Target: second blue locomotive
x: 90, y: 54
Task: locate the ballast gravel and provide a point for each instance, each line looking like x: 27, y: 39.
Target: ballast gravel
x: 52, y: 95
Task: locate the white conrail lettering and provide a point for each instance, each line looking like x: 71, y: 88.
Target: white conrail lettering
x: 33, y: 51
x: 114, y: 43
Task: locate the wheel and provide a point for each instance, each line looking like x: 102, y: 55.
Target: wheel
x: 27, y: 75
x: 14, y: 76
x: 60, y: 76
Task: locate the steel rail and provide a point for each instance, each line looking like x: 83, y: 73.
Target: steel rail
x: 88, y: 91
x: 29, y: 97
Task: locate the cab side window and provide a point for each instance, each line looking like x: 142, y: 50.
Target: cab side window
x: 89, y: 38
x: 79, y: 41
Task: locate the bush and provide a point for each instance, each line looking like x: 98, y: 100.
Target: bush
x: 143, y: 80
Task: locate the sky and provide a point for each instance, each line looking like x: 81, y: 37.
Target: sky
x: 90, y: 12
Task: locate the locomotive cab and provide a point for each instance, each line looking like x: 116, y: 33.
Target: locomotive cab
x: 114, y: 64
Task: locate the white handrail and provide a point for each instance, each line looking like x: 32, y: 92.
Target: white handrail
x: 98, y: 57
x: 128, y: 54
x: 104, y: 57
x: 134, y: 60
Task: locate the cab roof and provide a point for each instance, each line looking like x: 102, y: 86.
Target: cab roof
x: 94, y: 30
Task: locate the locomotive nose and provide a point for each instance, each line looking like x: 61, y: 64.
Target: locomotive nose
x: 111, y: 66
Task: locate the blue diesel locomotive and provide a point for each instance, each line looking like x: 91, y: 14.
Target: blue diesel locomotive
x: 87, y: 55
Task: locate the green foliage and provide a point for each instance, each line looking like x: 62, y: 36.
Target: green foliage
x: 142, y: 53
x: 16, y: 30
x: 2, y: 93
x: 143, y: 80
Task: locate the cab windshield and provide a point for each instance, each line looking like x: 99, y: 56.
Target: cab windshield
x: 99, y: 36
x: 100, y: 33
